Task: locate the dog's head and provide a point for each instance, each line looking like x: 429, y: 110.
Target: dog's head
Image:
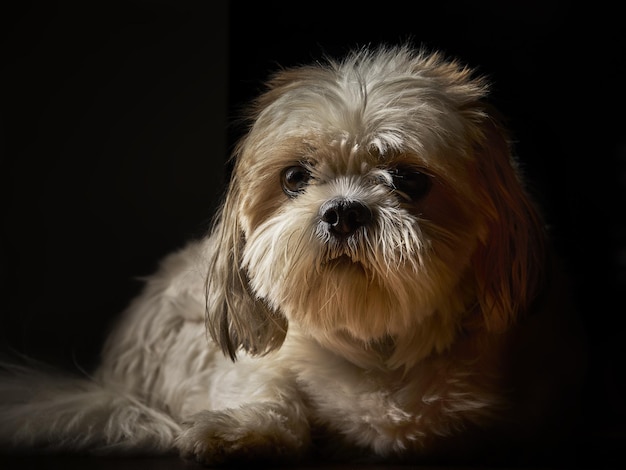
x: 372, y: 198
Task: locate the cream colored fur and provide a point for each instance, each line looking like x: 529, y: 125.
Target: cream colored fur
x: 275, y: 336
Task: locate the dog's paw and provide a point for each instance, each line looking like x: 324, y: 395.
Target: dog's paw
x: 249, y: 433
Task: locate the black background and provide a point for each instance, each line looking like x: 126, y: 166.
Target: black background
x: 117, y: 118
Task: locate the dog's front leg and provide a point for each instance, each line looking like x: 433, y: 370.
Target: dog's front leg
x: 250, y: 432
x: 255, y: 414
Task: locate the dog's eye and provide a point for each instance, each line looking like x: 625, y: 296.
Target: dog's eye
x: 410, y: 183
x: 294, y: 179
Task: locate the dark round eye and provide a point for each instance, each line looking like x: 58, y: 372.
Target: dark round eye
x: 294, y: 179
x: 410, y: 183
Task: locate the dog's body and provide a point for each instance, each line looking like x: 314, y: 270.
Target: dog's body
x: 378, y: 272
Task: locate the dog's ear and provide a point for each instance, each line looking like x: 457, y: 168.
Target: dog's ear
x: 510, y: 261
x: 235, y: 318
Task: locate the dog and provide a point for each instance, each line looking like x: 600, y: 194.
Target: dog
x: 378, y: 285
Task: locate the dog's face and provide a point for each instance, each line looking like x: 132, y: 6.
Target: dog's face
x: 371, y: 197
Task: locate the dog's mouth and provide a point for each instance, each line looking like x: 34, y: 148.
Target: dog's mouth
x: 344, y: 261
x: 345, y: 253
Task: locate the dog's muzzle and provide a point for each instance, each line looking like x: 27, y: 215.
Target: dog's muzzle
x: 343, y: 217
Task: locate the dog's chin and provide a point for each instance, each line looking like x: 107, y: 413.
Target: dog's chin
x: 342, y: 293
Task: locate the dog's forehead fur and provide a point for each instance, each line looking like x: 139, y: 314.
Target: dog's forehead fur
x: 387, y: 102
x: 374, y: 108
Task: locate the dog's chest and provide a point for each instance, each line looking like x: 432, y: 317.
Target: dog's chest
x: 390, y: 408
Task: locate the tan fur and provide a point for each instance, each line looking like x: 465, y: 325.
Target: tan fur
x: 377, y: 285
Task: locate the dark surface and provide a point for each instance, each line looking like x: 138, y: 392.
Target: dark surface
x: 114, y: 136
x: 175, y: 463
x: 152, y: 463
x: 95, y: 463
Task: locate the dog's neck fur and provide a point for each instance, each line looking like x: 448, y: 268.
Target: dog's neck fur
x: 390, y: 353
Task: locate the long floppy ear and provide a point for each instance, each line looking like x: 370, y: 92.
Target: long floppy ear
x: 235, y: 318
x: 509, y: 265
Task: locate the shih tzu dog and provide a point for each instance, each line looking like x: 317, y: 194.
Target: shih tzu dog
x: 377, y: 285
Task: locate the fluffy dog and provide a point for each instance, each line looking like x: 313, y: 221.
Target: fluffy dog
x: 377, y: 284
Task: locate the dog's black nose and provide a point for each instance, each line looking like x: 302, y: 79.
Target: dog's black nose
x: 344, y: 216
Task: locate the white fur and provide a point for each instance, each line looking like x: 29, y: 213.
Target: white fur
x: 393, y: 342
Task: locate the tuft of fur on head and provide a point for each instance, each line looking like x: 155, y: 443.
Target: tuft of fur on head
x: 369, y: 130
